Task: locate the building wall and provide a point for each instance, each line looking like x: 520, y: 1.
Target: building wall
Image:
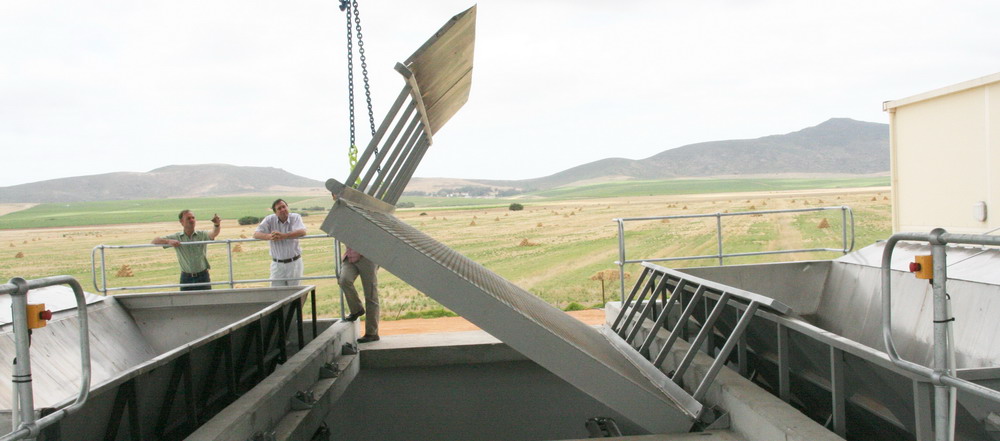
x: 946, y: 157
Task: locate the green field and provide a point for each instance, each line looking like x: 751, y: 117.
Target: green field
x: 160, y: 210
x: 553, y: 248
x: 139, y: 211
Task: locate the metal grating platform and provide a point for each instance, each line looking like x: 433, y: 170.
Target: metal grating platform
x: 579, y: 354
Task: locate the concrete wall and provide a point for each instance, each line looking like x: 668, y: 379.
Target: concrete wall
x: 946, y: 157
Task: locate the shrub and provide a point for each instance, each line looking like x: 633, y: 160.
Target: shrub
x: 249, y: 220
x: 405, y: 205
x: 573, y: 306
x: 515, y: 207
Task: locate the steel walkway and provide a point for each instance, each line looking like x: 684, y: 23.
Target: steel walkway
x: 599, y: 364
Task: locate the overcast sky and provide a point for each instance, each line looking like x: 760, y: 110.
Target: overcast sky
x: 102, y: 86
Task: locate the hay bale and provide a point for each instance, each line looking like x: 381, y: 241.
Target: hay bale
x: 685, y: 207
x: 243, y: 236
x: 497, y: 219
x: 19, y: 255
x: 238, y: 248
x: 472, y: 224
x: 664, y: 221
x: 539, y: 225
x: 752, y: 207
x: 124, y: 271
x: 874, y: 198
x: 526, y: 243
x: 885, y: 198
x: 823, y: 224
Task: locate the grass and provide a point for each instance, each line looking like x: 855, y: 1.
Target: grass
x: 574, y: 239
x: 138, y: 211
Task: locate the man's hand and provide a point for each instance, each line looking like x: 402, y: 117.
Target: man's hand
x: 216, y: 220
x: 174, y: 243
x: 277, y: 236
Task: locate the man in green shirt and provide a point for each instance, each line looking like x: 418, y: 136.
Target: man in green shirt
x: 194, y: 263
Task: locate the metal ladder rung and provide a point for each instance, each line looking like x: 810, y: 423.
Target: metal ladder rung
x: 707, y: 328
x: 625, y: 304
x: 660, y: 286
x: 664, y: 315
x: 675, y: 333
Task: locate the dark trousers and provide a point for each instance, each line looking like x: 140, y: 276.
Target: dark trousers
x: 201, y: 277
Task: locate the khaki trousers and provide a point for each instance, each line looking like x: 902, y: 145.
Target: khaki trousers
x: 369, y: 282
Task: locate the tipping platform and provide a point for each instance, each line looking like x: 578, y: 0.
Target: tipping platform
x: 577, y: 353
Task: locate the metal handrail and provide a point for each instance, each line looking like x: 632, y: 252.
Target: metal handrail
x: 941, y: 376
x: 721, y: 255
x: 229, y: 246
x: 18, y: 289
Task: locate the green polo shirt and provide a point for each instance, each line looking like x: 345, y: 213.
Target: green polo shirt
x: 191, y: 257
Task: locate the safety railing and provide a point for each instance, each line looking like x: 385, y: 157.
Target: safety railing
x: 943, y: 375
x: 232, y: 281
x: 847, y: 220
x: 24, y: 425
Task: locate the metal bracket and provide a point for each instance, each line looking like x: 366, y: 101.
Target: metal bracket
x: 602, y: 427
x: 715, y: 418
x: 303, y: 400
x: 349, y: 349
x: 262, y: 436
x: 329, y: 370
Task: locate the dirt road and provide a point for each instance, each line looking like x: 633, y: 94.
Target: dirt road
x: 455, y: 324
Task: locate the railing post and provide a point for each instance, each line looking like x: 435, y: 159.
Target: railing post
x: 942, y: 325
x: 718, y: 231
x: 229, y: 251
x: 843, y: 226
x: 104, y: 273
x: 621, y: 258
x: 337, y: 268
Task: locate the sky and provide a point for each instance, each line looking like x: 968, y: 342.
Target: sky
x: 114, y: 85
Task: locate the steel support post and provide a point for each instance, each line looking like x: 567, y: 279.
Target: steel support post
x: 621, y: 258
x: 922, y: 414
x: 784, y: 384
x: 942, y: 323
x: 838, y: 391
x: 22, y: 344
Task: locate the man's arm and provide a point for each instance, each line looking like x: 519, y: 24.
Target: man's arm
x: 217, y: 227
x: 165, y: 241
x: 263, y: 231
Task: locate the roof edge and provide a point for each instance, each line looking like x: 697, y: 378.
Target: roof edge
x: 947, y: 90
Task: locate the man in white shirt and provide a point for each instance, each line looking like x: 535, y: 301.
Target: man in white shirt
x: 283, y: 229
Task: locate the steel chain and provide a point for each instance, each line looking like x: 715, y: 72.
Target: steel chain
x: 364, y: 75
x: 352, y: 151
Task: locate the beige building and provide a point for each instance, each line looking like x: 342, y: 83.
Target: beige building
x: 945, y: 148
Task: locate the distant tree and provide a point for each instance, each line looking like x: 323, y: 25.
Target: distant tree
x: 249, y: 220
x: 606, y: 276
x: 515, y: 207
x: 405, y: 205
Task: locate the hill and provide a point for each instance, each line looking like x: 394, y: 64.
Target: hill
x: 837, y: 146
x: 166, y: 182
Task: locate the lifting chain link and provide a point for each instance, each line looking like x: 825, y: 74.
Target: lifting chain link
x: 351, y: 9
